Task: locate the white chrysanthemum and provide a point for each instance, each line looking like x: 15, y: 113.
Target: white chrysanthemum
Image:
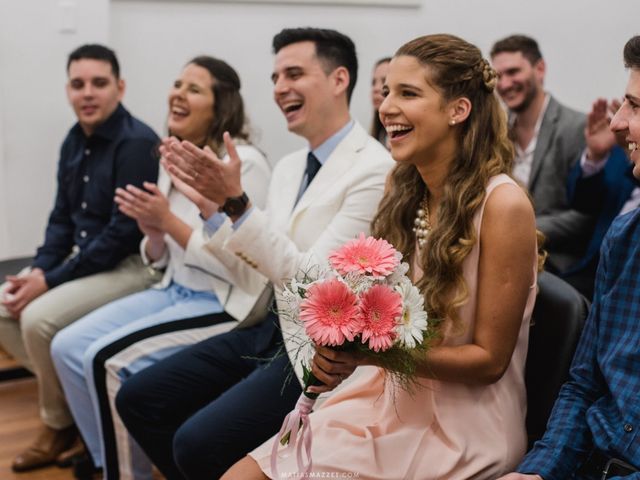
x: 297, y: 287
x: 289, y: 300
x: 312, y: 273
x: 294, y: 291
x: 398, y: 275
x: 357, y: 282
x: 413, y: 322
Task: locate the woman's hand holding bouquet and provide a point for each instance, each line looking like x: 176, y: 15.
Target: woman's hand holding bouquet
x: 362, y: 309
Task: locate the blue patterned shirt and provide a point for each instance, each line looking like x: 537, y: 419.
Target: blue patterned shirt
x: 600, y: 404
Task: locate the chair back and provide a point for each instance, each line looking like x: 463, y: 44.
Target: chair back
x: 12, y: 266
x: 556, y: 323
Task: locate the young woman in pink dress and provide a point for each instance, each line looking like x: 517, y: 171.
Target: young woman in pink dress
x: 474, y: 255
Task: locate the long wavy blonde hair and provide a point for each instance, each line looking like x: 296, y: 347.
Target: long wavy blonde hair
x: 456, y: 69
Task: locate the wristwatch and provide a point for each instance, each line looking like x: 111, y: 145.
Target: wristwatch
x: 234, y: 206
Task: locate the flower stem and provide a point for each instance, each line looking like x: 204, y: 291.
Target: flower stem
x: 309, y: 379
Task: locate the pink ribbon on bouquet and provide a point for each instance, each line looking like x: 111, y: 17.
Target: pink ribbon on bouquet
x: 296, y: 422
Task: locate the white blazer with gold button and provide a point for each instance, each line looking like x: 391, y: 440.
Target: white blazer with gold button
x: 287, y: 237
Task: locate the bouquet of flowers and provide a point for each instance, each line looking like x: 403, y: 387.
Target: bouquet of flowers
x: 361, y: 301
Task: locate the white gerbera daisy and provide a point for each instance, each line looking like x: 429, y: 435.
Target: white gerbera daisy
x: 413, y: 322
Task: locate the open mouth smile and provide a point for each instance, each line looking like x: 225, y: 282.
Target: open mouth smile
x: 397, y: 131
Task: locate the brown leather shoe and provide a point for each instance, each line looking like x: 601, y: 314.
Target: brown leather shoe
x: 44, y: 451
x: 77, y: 449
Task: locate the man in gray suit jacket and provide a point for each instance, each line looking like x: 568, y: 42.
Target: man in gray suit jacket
x: 548, y: 138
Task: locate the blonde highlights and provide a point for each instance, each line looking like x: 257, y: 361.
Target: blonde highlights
x: 457, y: 70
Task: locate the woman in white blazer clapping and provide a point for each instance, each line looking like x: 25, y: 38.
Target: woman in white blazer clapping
x: 204, y: 102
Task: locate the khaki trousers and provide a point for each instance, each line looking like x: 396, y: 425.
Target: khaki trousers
x: 28, y: 339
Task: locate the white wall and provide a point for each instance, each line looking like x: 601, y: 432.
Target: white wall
x: 34, y: 115
x: 4, y: 237
x: 581, y: 41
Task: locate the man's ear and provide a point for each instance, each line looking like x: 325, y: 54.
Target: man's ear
x: 459, y: 110
x: 341, y: 79
x: 540, y: 69
x: 122, y: 86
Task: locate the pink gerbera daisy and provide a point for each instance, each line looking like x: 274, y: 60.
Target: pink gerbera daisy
x: 365, y: 255
x: 380, y: 307
x: 330, y: 313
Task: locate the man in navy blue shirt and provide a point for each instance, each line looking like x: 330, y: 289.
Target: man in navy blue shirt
x: 89, y: 256
x: 593, y: 432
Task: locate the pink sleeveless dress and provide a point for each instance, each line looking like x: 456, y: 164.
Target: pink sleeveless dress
x: 443, y: 431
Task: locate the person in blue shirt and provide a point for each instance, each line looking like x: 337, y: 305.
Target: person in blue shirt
x: 600, y: 184
x: 89, y: 255
x: 593, y: 432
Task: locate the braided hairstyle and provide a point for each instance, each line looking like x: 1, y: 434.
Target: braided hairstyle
x: 489, y: 75
x: 456, y: 69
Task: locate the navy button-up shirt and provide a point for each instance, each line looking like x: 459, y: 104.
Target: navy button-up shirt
x: 599, y: 407
x: 86, y: 233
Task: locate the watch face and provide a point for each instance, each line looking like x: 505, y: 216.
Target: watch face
x: 235, y: 205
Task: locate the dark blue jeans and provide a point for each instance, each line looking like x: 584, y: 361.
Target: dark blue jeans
x: 199, y: 411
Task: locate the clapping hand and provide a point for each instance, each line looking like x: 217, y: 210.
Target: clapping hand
x: 206, y: 206
x: 599, y: 137
x: 202, y: 170
x: 149, y: 208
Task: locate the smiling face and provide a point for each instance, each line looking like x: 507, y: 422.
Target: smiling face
x: 626, y: 121
x: 312, y: 101
x: 377, y: 82
x: 93, y: 92
x: 191, y: 104
x: 415, y: 115
x: 519, y: 82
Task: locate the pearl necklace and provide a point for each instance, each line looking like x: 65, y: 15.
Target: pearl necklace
x: 422, y: 222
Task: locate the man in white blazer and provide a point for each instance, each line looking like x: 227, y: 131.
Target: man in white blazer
x: 199, y: 411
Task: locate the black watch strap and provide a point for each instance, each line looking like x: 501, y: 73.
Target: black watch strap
x: 234, y: 206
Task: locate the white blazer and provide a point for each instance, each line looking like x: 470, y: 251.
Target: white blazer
x: 256, y: 174
x: 277, y: 243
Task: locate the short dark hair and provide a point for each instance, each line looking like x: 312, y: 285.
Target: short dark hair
x: 95, y: 51
x: 228, y: 107
x: 332, y: 47
x: 518, y: 43
x: 632, y: 53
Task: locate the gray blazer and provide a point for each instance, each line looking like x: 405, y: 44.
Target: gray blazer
x: 559, y: 146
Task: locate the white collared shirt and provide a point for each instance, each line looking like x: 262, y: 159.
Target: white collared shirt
x: 524, y: 157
